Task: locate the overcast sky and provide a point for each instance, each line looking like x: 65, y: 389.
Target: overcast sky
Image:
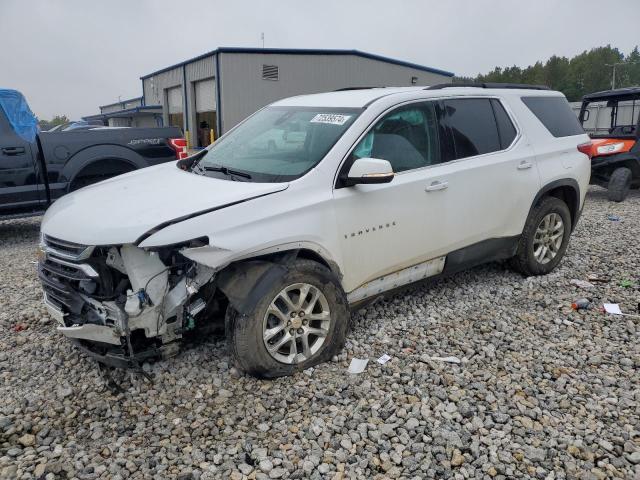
x: 69, y: 56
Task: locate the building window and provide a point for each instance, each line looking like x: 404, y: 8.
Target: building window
x: 270, y: 72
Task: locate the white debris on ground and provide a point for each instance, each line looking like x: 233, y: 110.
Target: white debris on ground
x: 544, y: 391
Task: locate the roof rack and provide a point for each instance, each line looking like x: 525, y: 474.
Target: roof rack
x: 345, y: 89
x: 525, y: 86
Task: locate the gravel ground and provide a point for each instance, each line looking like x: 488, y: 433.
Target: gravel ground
x: 542, y: 391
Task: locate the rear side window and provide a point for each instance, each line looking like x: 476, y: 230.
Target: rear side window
x: 555, y: 114
x: 506, y: 130
x: 473, y: 126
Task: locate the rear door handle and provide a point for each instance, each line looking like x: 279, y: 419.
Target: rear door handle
x: 13, y: 150
x: 437, y: 185
x: 525, y: 165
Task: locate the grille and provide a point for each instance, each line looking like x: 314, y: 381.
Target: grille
x: 68, y: 250
x: 66, y: 270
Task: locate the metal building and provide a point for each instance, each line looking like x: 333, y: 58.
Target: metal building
x: 129, y: 113
x: 209, y: 94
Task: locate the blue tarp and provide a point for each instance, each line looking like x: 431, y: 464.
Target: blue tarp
x: 17, y: 110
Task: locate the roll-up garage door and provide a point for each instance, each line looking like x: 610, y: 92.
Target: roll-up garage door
x: 174, y: 98
x: 205, y: 95
x: 205, y: 92
x: 175, y: 107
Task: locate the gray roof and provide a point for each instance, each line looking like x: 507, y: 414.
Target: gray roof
x: 303, y: 51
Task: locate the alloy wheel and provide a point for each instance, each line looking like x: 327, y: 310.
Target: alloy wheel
x: 548, y: 238
x: 296, y: 323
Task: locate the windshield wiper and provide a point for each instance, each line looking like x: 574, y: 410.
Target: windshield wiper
x: 228, y: 172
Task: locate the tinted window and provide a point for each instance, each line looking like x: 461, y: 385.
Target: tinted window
x: 555, y: 114
x: 506, y: 130
x: 473, y: 126
x: 406, y: 137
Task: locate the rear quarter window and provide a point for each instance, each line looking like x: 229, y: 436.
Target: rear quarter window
x: 555, y: 114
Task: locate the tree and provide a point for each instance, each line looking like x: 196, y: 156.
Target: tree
x: 49, y: 124
x: 584, y: 73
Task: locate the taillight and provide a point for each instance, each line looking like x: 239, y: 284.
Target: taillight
x: 610, y: 146
x: 179, y: 145
x: 586, y: 148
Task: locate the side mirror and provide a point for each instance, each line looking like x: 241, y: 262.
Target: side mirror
x: 368, y: 171
x: 585, y: 115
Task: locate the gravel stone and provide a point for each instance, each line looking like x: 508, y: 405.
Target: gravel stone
x: 542, y: 391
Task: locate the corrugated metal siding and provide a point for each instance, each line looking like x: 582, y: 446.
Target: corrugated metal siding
x: 154, y: 89
x: 202, y: 69
x: 111, y: 108
x: 133, y: 103
x: 243, y: 91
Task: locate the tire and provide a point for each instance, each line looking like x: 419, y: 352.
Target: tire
x: 619, y: 184
x: 531, y: 241
x: 245, y: 333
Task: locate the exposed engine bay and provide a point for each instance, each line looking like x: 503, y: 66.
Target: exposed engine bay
x: 124, y: 304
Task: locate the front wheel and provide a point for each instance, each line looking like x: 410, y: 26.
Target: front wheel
x: 300, y: 322
x: 544, y: 239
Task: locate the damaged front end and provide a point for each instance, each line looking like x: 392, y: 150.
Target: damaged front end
x: 123, y: 304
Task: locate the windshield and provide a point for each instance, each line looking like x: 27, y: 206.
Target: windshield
x: 277, y: 144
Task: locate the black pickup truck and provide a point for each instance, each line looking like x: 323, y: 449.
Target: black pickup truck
x: 37, y: 168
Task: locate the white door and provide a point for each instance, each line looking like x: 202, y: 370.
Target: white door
x: 491, y: 181
x: 466, y: 179
x: 383, y: 228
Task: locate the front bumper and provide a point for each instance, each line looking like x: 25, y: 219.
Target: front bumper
x: 87, y: 331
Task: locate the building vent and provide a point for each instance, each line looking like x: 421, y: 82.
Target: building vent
x: 269, y: 72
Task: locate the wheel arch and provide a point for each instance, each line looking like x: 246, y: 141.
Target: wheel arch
x: 244, y: 282
x: 95, y: 157
x: 567, y: 190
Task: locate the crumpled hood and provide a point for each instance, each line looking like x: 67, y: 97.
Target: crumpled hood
x: 122, y: 209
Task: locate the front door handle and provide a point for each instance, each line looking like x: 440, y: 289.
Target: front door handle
x: 524, y: 165
x: 13, y: 151
x: 437, y: 185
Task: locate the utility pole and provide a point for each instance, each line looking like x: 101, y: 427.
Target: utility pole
x: 614, y: 65
x: 262, y: 37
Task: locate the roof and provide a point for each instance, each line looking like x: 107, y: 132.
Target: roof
x: 361, y: 98
x: 120, y: 102
x: 629, y: 93
x: 302, y: 51
x: 125, y: 113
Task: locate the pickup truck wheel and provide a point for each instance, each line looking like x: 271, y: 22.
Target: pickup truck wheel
x: 544, y: 239
x: 619, y: 184
x: 300, y: 322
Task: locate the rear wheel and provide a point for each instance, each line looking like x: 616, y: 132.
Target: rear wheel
x: 300, y: 322
x: 544, y: 239
x: 619, y: 184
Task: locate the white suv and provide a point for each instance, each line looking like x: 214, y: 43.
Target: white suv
x: 379, y: 188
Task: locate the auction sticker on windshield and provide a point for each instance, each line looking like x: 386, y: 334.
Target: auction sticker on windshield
x: 332, y: 118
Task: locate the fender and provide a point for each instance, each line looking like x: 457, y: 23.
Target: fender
x: 245, y: 283
x: 563, y: 182
x: 90, y: 155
